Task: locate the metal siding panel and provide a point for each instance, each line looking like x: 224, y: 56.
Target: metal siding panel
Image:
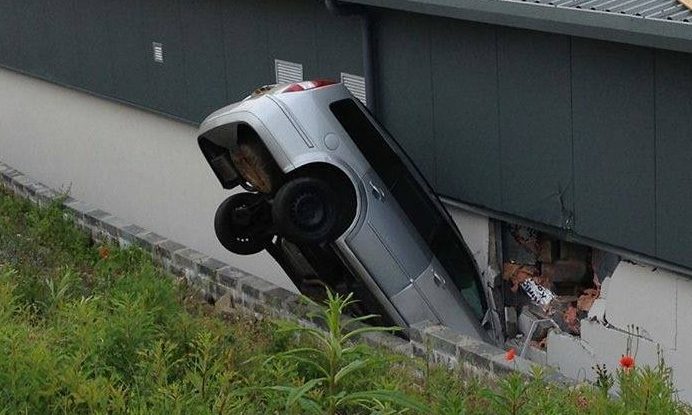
x: 405, y: 86
x: 467, y: 144
x: 339, y: 45
x: 248, y: 64
x: 94, y: 48
x: 614, y: 143
x: 162, y: 23
x: 535, y: 125
x: 10, y: 32
x: 130, y: 51
x: 204, y: 57
x: 674, y: 157
x: 291, y: 33
x: 48, y: 39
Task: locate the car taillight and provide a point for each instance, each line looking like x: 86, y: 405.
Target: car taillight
x: 307, y: 85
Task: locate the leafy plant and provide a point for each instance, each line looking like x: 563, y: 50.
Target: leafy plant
x: 336, y: 360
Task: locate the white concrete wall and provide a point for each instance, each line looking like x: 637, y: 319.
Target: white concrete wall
x: 142, y: 167
x: 651, y: 307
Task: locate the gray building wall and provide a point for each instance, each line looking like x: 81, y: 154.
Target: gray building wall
x: 587, y: 136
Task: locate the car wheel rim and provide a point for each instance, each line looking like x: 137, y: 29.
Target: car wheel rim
x: 308, y: 211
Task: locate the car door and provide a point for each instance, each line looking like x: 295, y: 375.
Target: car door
x: 449, y: 284
x: 388, y: 247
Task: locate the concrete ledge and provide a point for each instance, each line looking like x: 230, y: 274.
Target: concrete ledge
x: 231, y: 287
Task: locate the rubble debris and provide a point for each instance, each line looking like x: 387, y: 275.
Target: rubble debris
x: 511, y: 321
x: 572, y: 320
x: 586, y: 300
x: 518, y: 273
x: 537, y: 293
x: 560, y: 282
x: 569, y: 270
x: 598, y: 310
x: 527, y: 318
x: 520, y: 244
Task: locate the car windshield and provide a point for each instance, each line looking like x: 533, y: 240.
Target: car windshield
x: 415, y: 198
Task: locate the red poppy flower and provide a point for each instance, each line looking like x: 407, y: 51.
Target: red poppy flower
x: 627, y: 362
x: 104, y: 252
x: 510, y: 355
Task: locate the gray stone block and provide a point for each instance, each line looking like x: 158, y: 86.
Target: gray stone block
x: 78, y: 208
x: 113, y: 225
x: 255, y: 287
x: 166, y: 248
x: 95, y: 217
x: 278, y: 297
x: 46, y: 195
x: 185, y: 258
x: 230, y: 277
x: 417, y: 331
x: 129, y: 233
x: 210, y: 266
x: 147, y: 241
x: 444, y: 339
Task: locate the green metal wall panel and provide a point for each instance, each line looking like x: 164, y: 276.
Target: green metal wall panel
x: 536, y: 125
x: 405, y: 86
x: 162, y: 23
x: 248, y: 63
x: 10, y: 40
x: 291, y: 33
x: 467, y: 144
x: 48, y: 39
x: 204, y: 70
x: 614, y: 143
x: 130, y: 51
x: 338, y: 44
x: 94, y: 66
x: 674, y: 157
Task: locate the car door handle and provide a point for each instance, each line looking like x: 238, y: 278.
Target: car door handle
x: 376, y: 191
x: 439, y: 279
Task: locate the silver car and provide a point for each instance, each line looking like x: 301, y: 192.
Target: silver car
x: 327, y: 188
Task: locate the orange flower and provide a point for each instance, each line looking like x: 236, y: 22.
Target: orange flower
x: 104, y: 252
x: 510, y: 355
x: 627, y: 362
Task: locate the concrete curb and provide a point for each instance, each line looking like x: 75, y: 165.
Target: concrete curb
x: 232, y: 287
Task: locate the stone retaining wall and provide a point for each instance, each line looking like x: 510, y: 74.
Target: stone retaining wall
x: 232, y: 287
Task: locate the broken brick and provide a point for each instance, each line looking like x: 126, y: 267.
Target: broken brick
x: 548, y: 250
x: 518, y: 273
x: 586, y: 300
x: 564, y: 271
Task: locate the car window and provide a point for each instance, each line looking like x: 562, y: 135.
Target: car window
x: 412, y: 197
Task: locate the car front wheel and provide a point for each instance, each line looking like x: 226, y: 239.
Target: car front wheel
x: 308, y: 210
x: 243, y: 223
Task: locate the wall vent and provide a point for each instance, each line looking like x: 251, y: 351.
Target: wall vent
x: 355, y: 84
x: 288, y: 72
x: 157, y: 49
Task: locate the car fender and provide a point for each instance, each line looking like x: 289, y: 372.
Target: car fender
x: 228, y: 137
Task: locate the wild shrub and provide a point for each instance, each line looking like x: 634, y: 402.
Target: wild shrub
x: 86, y: 329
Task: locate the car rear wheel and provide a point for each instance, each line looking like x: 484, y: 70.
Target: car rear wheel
x: 243, y: 223
x: 309, y: 210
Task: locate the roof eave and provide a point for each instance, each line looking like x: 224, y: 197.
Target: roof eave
x: 613, y: 27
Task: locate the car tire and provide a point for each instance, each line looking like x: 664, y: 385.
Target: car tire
x: 307, y: 210
x: 243, y: 223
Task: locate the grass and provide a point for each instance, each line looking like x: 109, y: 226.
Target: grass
x: 96, y: 329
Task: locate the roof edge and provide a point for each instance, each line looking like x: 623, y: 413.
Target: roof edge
x: 663, y: 34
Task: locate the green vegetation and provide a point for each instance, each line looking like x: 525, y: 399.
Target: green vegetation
x: 88, y: 329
